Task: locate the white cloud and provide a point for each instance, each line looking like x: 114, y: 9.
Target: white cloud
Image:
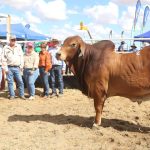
x: 34, y: 27
x: 55, y: 10
x: 14, y: 19
x: 18, y: 4
x: 30, y: 18
x: 97, y: 31
x: 63, y: 32
x: 72, y: 12
x: 106, y: 14
x: 127, y: 18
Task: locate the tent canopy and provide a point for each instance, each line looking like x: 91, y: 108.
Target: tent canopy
x: 21, y: 32
x: 144, y: 35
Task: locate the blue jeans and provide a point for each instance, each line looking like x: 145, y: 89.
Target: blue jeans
x: 0, y: 75
x: 14, y: 72
x: 44, y: 79
x: 30, y: 80
x: 56, y: 77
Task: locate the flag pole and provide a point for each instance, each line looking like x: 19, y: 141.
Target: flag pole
x: 8, y: 27
x: 82, y: 27
x: 89, y: 34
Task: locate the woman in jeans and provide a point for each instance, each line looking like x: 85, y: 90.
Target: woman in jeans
x: 45, y: 64
x: 31, y: 71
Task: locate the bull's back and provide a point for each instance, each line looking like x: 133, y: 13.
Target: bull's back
x: 130, y: 74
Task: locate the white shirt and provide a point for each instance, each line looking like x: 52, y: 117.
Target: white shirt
x: 12, y: 56
x: 55, y: 61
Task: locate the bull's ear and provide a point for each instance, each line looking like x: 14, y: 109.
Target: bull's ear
x: 82, y: 47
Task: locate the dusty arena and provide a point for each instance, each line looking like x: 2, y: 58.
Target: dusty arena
x: 65, y: 123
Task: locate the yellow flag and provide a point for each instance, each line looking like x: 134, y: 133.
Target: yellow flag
x: 82, y: 27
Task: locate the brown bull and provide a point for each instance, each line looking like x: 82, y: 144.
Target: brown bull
x: 103, y: 73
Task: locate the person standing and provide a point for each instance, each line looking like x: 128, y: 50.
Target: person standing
x: 58, y: 68
x: 31, y: 71
x: 45, y: 65
x: 133, y: 48
x: 13, y: 62
x: 1, y: 53
x: 121, y: 47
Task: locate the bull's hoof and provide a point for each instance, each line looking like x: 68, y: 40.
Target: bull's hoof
x: 96, y: 127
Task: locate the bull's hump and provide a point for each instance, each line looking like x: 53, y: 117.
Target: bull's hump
x: 104, y: 44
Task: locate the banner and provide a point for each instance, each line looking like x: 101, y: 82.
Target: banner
x: 27, y: 26
x: 146, y: 13
x: 122, y: 33
x: 110, y: 34
x: 82, y: 27
x: 137, y: 11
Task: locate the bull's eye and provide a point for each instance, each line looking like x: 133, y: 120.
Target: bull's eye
x: 73, y: 45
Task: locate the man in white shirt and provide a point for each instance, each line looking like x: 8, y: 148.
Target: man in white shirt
x: 58, y: 68
x: 13, y: 65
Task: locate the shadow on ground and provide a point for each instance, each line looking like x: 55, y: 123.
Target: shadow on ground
x: 70, y: 82
x: 120, y: 125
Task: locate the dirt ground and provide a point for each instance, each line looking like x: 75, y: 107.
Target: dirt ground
x: 65, y: 124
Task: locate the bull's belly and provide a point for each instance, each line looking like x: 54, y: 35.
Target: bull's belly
x: 134, y: 92
x: 129, y: 92
x: 139, y: 96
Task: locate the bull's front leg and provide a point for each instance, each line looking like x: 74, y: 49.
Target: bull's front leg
x: 99, y: 100
x: 98, y: 104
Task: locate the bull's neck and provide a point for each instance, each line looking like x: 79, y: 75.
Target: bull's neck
x: 79, y: 66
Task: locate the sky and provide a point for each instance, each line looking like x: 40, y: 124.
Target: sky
x: 61, y: 18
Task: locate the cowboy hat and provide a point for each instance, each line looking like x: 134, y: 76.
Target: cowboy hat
x: 133, y: 46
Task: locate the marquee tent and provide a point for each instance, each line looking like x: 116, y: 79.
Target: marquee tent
x: 21, y: 32
x: 144, y: 35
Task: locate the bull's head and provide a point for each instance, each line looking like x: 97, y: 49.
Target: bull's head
x: 71, y: 46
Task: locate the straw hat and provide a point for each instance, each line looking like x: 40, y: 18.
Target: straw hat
x: 55, y: 41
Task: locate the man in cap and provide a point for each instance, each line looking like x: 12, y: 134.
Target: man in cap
x: 13, y: 64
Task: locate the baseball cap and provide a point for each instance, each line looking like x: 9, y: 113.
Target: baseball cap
x: 30, y: 44
x: 12, y: 37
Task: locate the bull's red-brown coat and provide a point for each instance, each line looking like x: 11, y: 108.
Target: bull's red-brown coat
x: 103, y: 73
